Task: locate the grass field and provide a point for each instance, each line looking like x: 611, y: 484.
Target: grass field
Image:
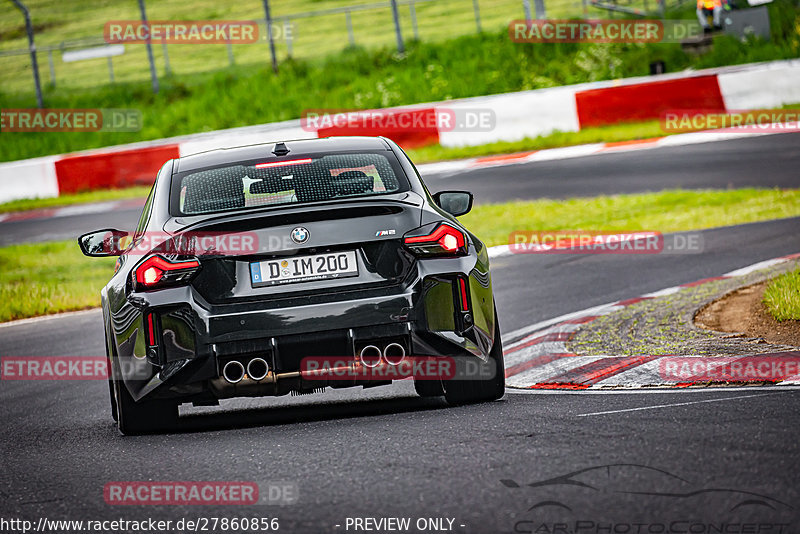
x: 44, y: 278
x: 37, y: 279
x: 782, y: 296
x: 312, y: 36
x: 362, y: 78
x: 78, y: 198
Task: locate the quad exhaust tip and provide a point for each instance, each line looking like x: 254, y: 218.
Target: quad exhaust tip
x: 394, y: 353
x: 370, y: 356
x: 233, y: 372
x: 257, y: 369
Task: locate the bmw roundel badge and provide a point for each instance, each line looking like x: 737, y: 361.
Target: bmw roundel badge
x: 299, y: 235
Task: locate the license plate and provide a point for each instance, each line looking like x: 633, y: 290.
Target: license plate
x: 304, y: 269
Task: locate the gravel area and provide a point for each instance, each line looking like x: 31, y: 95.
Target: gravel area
x: 665, y: 325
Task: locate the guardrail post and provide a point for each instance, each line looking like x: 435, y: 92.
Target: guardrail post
x: 32, y: 49
x: 350, y: 37
x: 110, y: 70
x: 400, y: 46
x: 153, y: 75
x: 413, y: 11
x: 167, y: 69
x: 52, y: 67
x: 231, y: 60
x: 541, y: 13
x: 287, y: 35
x: 268, y: 22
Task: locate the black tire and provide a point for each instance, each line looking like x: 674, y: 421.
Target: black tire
x: 481, y: 390
x: 143, y: 417
x: 111, y: 395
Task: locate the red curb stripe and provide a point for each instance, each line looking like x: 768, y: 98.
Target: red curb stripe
x: 542, y: 359
x: 703, y: 281
x: 598, y: 370
x: 28, y: 215
x: 618, y: 146
x: 547, y: 385
x: 629, y: 302
x: 503, y: 157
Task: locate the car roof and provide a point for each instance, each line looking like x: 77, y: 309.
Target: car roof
x: 299, y: 147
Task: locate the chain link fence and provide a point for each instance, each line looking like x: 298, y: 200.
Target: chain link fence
x: 72, y: 52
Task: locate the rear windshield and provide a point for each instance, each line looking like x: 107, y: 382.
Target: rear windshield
x: 291, y: 181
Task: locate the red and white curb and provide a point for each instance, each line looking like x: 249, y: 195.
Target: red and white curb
x: 445, y: 168
x: 536, y: 356
x: 578, y: 151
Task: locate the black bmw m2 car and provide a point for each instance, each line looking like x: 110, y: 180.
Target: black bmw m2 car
x: 247, y: 263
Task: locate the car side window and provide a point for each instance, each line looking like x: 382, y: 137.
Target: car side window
x: 148, y: 207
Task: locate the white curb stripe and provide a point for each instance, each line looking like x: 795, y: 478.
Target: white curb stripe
x: 642, y: 375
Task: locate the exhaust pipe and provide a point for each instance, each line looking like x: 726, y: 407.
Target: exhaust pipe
x: 233, y: 372
x: 370, y: 356
x: 394, y: 353
x: 257, y: 369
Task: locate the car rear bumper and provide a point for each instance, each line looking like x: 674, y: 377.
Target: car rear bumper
x: 196, y: 339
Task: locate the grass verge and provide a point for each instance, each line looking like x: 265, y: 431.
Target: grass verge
x: 665, y: 211
x: 628, y: 131
x: 43, y: 278
x: 104, y: 195
x: 782, y: 296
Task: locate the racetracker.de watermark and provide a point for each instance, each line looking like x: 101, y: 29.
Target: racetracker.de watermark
x: 53, y: 368
x: 187, y: 493
x: 774, y: 367
x: 594, y: 242
x: 333, y: 368
x: 745, y: 121
x: 440, y: 119
x: 197, y: 243
x: 603, y: 31
x: 70, y: 120
x: 183, y: 31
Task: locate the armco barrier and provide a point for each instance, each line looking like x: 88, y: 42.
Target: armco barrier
x: 643, y: 101
x: 518, y: 115
x: 106, y: 170
x: 408, y: 127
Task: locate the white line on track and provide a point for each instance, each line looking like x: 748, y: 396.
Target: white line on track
x: 658, y: 406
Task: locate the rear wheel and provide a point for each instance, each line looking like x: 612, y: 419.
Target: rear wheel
x: 481, y: 389
x: 142, y: 417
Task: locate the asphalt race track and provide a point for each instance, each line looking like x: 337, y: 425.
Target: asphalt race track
x: 658, y: 459
x: 765, y: 161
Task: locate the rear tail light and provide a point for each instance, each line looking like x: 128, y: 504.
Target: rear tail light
x: 444, y: 240
x: 283, y: 163
x: 156, y: 272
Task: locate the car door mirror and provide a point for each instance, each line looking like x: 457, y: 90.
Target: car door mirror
x: 101, y: 243
x: 454, y: 202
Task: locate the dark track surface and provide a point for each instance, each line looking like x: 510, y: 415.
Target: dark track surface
x: 385, y: 452
x: 767, y: 161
